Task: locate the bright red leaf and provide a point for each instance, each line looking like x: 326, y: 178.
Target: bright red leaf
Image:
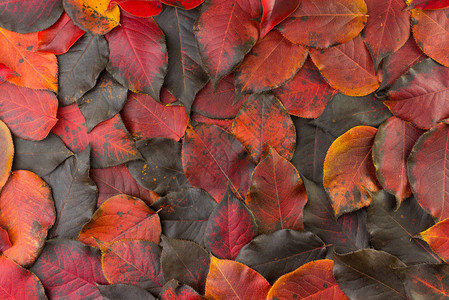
x: 428, y: 4
x: 6, y: 73
x: 139, y: 8
x: 185, y: 4
x: 274, y: 12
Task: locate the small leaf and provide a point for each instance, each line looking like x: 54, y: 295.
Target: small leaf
x: 274, y: 12
x: 438, y: 238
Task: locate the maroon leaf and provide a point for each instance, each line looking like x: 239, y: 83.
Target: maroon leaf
x: 426, y: 281
x: 274, y: 12
x: 428, y: 4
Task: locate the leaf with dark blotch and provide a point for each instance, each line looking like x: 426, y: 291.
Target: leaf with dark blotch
x: 230, y: 227
x: 229, y: 279
x: 7, y: 151
x: 6, y: 73
x: 102, y: 102
x: 176, y: 290
x: 393, y: 230
x: 124, y: 292
x: 121, y: 217
x: 281, y: 252
x: 5, y: 243
x: 64, y: 261
x: 274, y: 12
x: 426, y: 281
x: 93, y: 15
x: 184, y: 214
x: 30, y: 114
x: 161, y: 170
x: 349, y: 172
x: 224, y: 42
x: 387, y: 28
x: 348, y: 67
x: 419, y: 96
x: 369, y: 274
x: 117, y: 180
x: 392, y: 146
x: 438, y: 238
x: 344, y: 113
x: 307, y: 93
x: 18, y: 283
x: 309, y: 24
x: 427, y: 4
x: 60, y: 36
x: 49, y: 152
x: 345, y: 234
x: 312, y: 144
x: 27, y: 213
x: 185, y: 261
x: 138, y: 55
x: 139, y: 8
x: 427, y: 171
x: 212, y: 158
x: 146, y: 118
x: 270, y: 63
x: 263, y: 122
x: 185, y: 74
x: 185, y: 4
x: 313, y: 280
x: 277, y: 195
x: 75, y: 195
x: 431, y: 32
x: 133, y: 262
x: 80, y: 67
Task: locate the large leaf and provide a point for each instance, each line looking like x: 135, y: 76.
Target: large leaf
x: 429, y: 281
x: 310, y: 24
x: 138, y: 55
x: 274, y: 12
x: 283, y: 251
x: 6, y: 153
x: 277, y: 195
x: 263, y: 122
x: 121, y: 217
x: 312, y: 280
x: 185, y: 74
x: 212, y: 158
x: 429, y: 183
x: 349, y: 171
x: 228, y: 279
x: 271, y: 62
x: 438, y: 238
x: 230, y: 227
x: 226, y: 32
x: 27, y: 212
x: 69, y: 269
x: 139, y: 8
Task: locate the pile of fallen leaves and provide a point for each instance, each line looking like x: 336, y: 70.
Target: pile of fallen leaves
x: 231, y: 149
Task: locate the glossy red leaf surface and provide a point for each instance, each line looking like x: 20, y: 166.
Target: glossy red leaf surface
x: 230, y: 227
x: 348, y: 67
x: 212, y: 158
x: 146, y: 118
x: 437, y: 237
x: 271, y: 62
x: 428, y: 4
x: 73, y: 263
x: 228, y: 279
x: 18, y: 283
x: 277, y: 195
x: 223, y: 42
x: 27, y: 212
x: 139, y: 8
x: 185, y: 4
x: 274, y: 12
x: 138, y: 55
x: 263, y: 122
x: 121, y: 217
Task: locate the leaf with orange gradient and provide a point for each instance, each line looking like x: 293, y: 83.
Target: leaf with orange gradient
x: 27, y: 212
x: 349, y: 172
x: 437, y: 237
x: 229, y: 279
x: 121, y: 217
x: 6, y: 154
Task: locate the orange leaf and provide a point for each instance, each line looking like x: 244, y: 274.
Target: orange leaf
x: 6, y: 153
x: 437, y: 237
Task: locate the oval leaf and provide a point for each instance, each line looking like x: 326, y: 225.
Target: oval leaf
x: 6, y: 153
x: 437, y: 237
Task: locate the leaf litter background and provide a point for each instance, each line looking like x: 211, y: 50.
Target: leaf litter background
x: 238, y: 149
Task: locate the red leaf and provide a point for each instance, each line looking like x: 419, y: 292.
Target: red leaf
x: 230, y: 227
x: 6, y: 73
x: 60, y: 37
x: 5, y: 243
x: 274, y: 12
x: 212, y: 158
x: 229, y: 279
x: 348, y: 67
x: 175, y: 290
x: 146, y: 118
x: 186, y: 4
x: 307, y: 94
x: 27, y: 212
x: 18, y: 283
x: 138, y: 55
x: 139, y: 8
x: 30, y: 114
x: 223, y: 41
x: 428, y: 4
x: 437, y: 237
x: 69, y: 269
x: 225, y: 124
x: 121, y: 217
x: 263, y: 122
x: 277, y: 195
x: 271, y: 62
